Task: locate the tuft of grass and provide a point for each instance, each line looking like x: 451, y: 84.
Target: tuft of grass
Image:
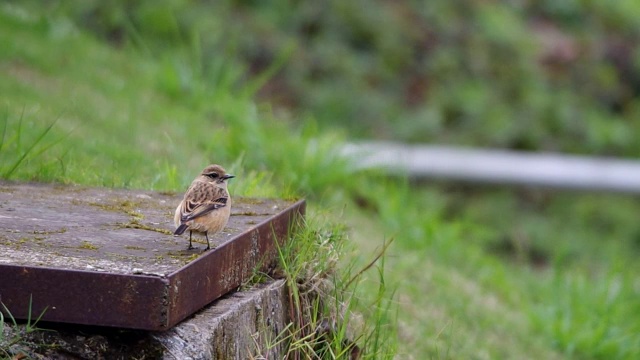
x: 327, y: 308
x: 10, y: 348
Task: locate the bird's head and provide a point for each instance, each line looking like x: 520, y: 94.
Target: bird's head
x: 215, y: 174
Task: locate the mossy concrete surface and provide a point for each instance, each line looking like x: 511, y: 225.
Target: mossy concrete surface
x: 106, y: 230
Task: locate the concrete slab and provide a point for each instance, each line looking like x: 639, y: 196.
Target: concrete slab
x: 108, y: 257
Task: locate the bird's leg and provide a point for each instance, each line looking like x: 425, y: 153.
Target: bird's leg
x: 208, y: 245
x: 190, y: 245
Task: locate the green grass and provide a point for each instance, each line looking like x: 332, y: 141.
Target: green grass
x: 531, y: 76
x: 467, y: 289
x: 12, y: 345
x: 335, y: 318
x: 488, y: 273
x: 80, y: 112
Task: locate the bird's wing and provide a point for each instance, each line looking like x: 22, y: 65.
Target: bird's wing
x: 201, y: 199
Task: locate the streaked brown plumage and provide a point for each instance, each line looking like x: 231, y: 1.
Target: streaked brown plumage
x: 206, y: 205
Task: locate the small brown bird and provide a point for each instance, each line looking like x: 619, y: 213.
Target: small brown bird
x: 206, y: 205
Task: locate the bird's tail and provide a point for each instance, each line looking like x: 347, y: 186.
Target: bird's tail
x: 181, y: 229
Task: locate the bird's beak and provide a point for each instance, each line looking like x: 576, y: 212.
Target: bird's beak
x: 228, y: 176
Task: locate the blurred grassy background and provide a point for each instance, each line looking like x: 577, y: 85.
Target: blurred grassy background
x: 142, y: 94
x: 455, y: 72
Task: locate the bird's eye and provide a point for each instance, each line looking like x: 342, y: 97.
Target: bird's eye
x: 212, y: 175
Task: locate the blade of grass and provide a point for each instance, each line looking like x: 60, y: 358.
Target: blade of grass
x: 370, y: 264
x: 4, y: 127
x: 261, y: 79
x: 49, y: 146
x: 135, y: 37
x: 1, y: 327
x: 29, y: 312
x: 32, y: 326
x: 13, y: 320
x: 19, y: 133
x: 31, y: 147
x: 3, y: 347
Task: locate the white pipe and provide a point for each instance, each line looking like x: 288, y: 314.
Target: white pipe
x: 498, y: 166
